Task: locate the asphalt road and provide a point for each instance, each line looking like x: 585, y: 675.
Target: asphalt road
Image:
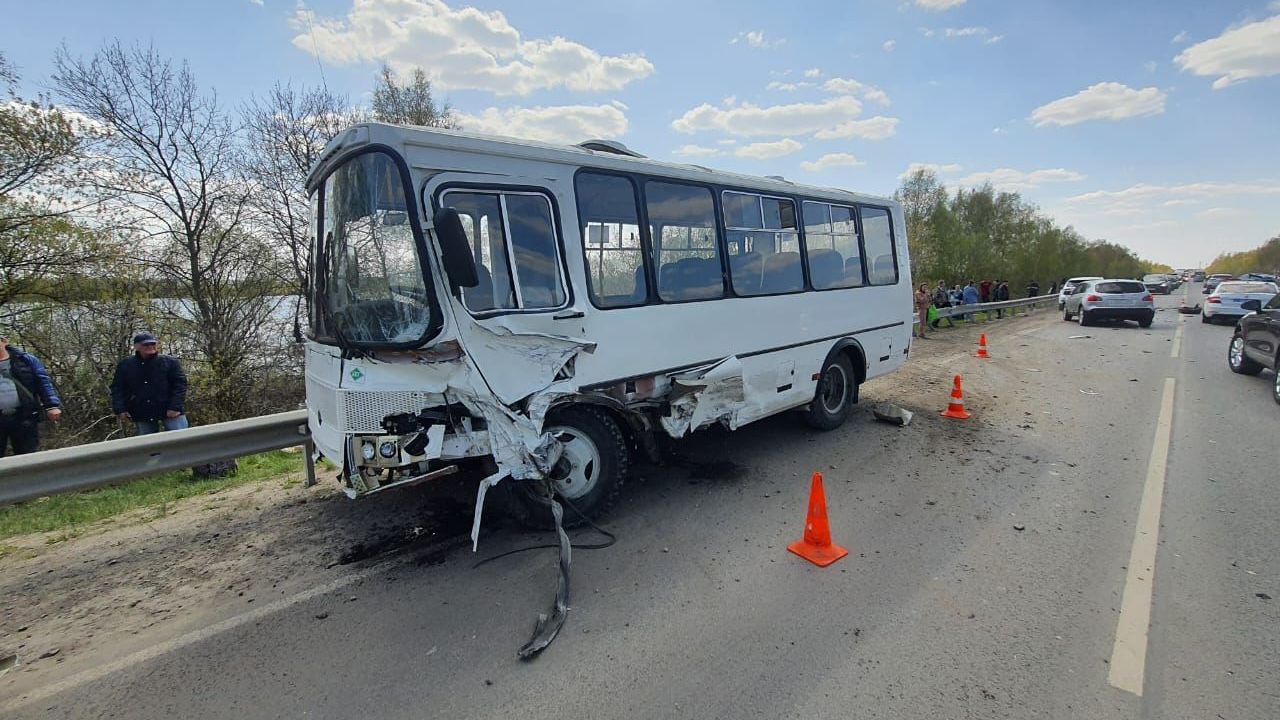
x: 989, y: 574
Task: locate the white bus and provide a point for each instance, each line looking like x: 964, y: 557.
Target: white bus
x: 554, y: 308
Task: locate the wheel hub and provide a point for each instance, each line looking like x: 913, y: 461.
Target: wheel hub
x: 1237, y: 351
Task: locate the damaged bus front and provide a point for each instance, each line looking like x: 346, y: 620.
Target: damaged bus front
x: 392, y: 395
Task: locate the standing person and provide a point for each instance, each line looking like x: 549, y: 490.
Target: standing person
x: 957, y: 296
x: 1053, y: 287
x: 970, y: 298
x: 941, y: 299
x: 922, y: 307
x: 1002, y: 294
x: 149, y: 388
x: 984, y: 290
x: 26, y: 397
x: 1033, y: 289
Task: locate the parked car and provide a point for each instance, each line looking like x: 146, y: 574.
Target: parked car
x: 1197, y: 276
x: 1069, y: 286
x: 1255, y: 345
x: 1158, y: 283
x: 1227, y: 300
x: 1096, y: 300
x: 1212, y: 281
x: 1258, y: 277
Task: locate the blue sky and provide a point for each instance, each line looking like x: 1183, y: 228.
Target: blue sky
x: 1151, y: 124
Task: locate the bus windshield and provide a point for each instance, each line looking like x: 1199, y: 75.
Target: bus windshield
x: 371, y: 288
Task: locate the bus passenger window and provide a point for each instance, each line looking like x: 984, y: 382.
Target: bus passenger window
x: 514, y: 246
x: 831, y: 240
x: 764, y: 228
x: 878, y: 234
x: 682, y: 221
x: 610, y: 225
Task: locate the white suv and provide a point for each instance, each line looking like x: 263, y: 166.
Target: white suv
x: 1068, y: 286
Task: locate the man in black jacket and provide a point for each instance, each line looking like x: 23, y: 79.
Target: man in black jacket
x: 149, y: 388
x: 26, y: 397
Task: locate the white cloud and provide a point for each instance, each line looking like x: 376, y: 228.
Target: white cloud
x: 730, y: 100
x: 938, y: 5
x: 998, y: 131
x: 727, y: 141
x: 876, y: 128
x: 1219, y: 213
x: 983, y: 33
x: 1103, y: 101
x: 256, y: 2
x: 1249, y: 51
x: 830, y: 160
x: 1150, y: 66
x: 694, y: 151
x: 769, y: 150
x: 461, y: 49
x: 876, y: 95
x: 787, y: 86
x: 756, y: 39
x: 1186, y: 194
x: 841, y: 85
x: 813, y: 73
x: 889, y: 45
x: 557, y: 124
x: 1010, y: 180
x: 934, y: 167
x: 847, y: 86
x: 748, y: 119
x: 1181, y: 37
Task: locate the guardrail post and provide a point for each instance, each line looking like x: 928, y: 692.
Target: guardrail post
x: 309, y: 452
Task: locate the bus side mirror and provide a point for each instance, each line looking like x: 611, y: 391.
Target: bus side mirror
x: 455, y: 250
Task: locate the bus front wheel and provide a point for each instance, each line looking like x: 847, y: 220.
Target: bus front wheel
x: 590, y: 473
x: 834, y: 394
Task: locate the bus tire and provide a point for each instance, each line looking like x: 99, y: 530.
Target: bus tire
x: 834, y: 394
x: 591, y: 471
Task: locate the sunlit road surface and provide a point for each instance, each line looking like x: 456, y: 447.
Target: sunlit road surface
x: 1099, y: 541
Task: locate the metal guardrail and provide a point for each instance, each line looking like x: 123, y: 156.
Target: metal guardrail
x: 49, y: 472
x: 949, y: 313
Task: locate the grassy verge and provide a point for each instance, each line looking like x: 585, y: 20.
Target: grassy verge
x: 71, y: 512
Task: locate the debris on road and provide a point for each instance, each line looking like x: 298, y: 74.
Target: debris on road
x: 1262, y: 596
x: 321, y: 615
x: 1079, y: 337
x: 892, y: 414
x: 50, y: 653
x: 1089, y: 392
x: 7, y: 663
x: 548, y: 626
x: 1019, y: 527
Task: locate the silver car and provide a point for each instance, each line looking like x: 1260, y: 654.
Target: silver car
x: 1096, y: 300
x: 1069, y: 286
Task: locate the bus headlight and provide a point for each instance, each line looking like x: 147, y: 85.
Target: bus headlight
x: 366, y: 451
x: 387, y: 449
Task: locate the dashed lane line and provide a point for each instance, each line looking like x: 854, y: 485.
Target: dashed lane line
x: 1177, y: 341
x: 1129, y: 655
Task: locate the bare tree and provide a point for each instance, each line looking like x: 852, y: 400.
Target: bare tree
x: 285, y: 131
x: 167, y: 170
x: 41, y: 249
x: 410, y: 103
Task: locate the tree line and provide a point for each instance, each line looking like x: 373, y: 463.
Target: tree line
x: 1265, y: 259
x: 982, y: 233
x: 132, y: 198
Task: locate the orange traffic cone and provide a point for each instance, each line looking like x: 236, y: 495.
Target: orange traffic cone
x: 955, y: 409
x: 982, y: 347
x: 816, y: 547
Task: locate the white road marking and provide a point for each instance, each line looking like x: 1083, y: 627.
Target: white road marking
x: 1177, y: 341
x: 1129, y: 656
x: 98, y: 672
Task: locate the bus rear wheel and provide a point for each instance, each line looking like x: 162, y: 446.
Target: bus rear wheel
x: 834, y: 394
x: 591, y: 471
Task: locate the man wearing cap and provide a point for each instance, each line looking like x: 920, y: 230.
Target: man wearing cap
x: 26, y: 397
x: 149, y: 388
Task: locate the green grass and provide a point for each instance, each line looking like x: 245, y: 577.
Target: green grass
x: 70, y: 513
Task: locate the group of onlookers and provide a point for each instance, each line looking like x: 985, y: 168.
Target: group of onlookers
x: 928, y: 302
x: 149, y: 389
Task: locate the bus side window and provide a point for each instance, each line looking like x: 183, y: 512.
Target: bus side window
x: 878, y: 236
x: 513, y: 242
x: 767, y: 226
x: 683, y: 225
x: 831, y: 240
x: 610, y: 225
